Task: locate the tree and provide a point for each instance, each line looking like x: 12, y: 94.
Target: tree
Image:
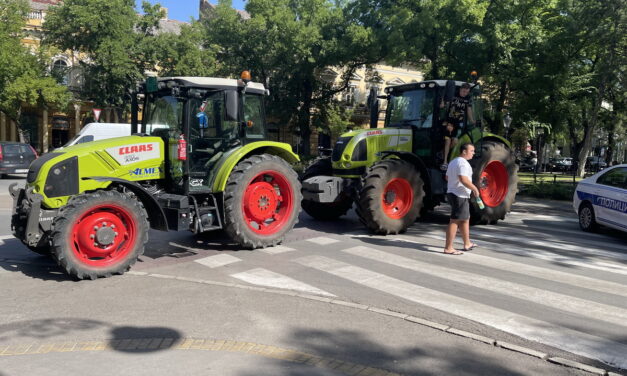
x: 287, y: 44
x: 116, y: 46
x: 24, y: 78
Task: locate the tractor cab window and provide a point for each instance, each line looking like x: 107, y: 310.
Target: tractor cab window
x: 164, y: 115
x: 253, y: 116
x: 411, y: 108
x: 210, y: 135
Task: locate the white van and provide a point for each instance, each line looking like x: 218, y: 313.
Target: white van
x: 100, y: 131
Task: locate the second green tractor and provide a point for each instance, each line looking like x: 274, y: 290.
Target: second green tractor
x: 392, y: 174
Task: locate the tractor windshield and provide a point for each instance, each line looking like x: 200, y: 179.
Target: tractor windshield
x: 165, y: 112
x: 411, y: 108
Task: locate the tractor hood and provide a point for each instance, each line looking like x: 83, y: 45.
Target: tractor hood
x: 65, y: 172
x: 356, y: 150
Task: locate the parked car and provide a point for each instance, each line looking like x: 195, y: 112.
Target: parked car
x: 595, y: 164
x: 561, y: 164
x: 15, y: 158
x: 601, y: 199
x: 526, y: 164
x: 100, y: 131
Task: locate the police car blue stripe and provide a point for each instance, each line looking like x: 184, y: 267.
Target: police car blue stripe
x: 612, y: 222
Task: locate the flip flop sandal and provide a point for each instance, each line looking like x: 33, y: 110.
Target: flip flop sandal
x: 470, y: 248
x: 454, y: 253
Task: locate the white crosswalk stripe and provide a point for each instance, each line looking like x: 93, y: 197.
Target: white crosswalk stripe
x: 574, y: 341
x: 589, y: 263
x: 267, y: 278
x: 277, y: 249
x: 323, y: 240
x: 571, y: 304
x: 217, y: 260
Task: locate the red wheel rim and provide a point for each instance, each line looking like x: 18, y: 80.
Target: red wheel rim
x: 103, y: 236
x: 397, y: 198
x: 268, y: 203
x: 494, y: 183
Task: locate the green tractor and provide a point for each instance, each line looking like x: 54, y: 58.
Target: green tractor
x: 394, y: 173
x: 198, y: 161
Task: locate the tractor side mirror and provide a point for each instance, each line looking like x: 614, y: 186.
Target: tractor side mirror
x: 449, y: 91
x: 232, y: 105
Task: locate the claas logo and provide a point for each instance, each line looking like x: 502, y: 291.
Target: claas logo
x: 135, y: 149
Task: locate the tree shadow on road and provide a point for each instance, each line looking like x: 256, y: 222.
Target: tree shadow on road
x: 356, y: 348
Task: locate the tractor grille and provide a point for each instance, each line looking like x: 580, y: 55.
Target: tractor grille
x: 340, y: 145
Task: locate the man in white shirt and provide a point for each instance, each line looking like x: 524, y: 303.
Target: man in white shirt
x: 459, y: 177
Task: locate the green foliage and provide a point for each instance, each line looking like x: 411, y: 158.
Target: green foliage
x: 288, y: 44
x: 557, y: 191
x: 116, y: 46
x: 333, y: 120
x: 24, y: 78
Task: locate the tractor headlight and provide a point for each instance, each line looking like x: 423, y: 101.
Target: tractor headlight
x: 346, y: 164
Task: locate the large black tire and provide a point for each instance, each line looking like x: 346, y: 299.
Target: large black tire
x: 587, y: 218
x: 99, y: 234
x: 261, y: 201
x: 324, y: 211
x: 391, y: 197
x: 498, y: 161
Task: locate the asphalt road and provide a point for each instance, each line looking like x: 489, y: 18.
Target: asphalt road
x: 535, y: 280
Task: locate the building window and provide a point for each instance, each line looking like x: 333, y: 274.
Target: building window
x: 60, y: 71
x: 349, y: 96
x: 35, y: 15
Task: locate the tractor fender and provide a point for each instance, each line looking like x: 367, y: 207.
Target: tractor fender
x: 232, y: 158
x: 156, y: 216
x: 477, y: 139
x: 417, y: 162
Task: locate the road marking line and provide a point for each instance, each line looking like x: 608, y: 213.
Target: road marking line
x: 582, y: 307
x: 263, y: 277
x: 593, y: 247
x: 548, y: 256
x: 323, y: 240
x: 277, y: 249
x: 584, y: 344
x: 590, y: 263
x: 545, y: 216
x: 217, y: 260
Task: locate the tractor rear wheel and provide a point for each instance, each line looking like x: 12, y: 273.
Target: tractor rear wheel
x: 495, y: 173
x: 99, y: 234
x: 391, y: 197
x: 261, y: 201
x: 324, y: 211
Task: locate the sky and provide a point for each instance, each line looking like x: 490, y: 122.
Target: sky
x: 182, y: 10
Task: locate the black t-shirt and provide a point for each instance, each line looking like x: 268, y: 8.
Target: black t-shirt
x: 459, y: 108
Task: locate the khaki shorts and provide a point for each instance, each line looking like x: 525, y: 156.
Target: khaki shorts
x: 460, y: 207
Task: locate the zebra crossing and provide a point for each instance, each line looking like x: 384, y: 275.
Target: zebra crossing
x: 575, y: 284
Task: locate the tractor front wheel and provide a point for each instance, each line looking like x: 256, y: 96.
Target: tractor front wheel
x: 261, y: 201
x: 391, y: 197
x: 325, y: 211
x: 99, y: 234
x: 495, y: 173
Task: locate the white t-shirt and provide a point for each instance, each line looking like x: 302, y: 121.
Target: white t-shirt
x: 458, y: 166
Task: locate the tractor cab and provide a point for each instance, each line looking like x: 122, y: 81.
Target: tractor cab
x: 200, y: 120
x: 424, y: 107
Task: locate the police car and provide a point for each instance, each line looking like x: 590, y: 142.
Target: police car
x: 601, y: 199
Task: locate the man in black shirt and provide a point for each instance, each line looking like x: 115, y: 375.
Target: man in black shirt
x: 459, y: 108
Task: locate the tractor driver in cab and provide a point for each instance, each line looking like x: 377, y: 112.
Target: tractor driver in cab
x: 459, y: 109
